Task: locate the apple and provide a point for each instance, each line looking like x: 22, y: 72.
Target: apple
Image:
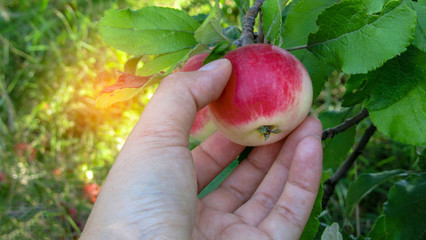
x: 203, y: 125
x: 267, y: 96
x: 91, y: 191
x: 3, y: 177
x: 194, y: 63
x: 23, y: 149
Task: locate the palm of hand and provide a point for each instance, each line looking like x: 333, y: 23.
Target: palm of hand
x: 269, y: 196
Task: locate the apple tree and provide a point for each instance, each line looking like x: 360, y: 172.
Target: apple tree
x: 368, y: 56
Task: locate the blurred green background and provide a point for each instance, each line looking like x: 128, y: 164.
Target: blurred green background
x: 56, y: 148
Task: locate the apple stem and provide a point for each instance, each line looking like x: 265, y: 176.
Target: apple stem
x: 267, y: 130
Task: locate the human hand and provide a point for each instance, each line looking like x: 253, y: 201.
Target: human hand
x: 151, y: 190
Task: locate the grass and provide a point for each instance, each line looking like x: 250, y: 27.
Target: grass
x: 53, y: 140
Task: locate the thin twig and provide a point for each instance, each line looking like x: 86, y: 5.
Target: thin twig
x: 247, y: 35
x: 330, y: 184
x: 357, y: 220
x: 261, y: 35
x: 331, y: 132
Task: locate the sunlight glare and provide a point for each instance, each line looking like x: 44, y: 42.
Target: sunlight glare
x: 89, y: 175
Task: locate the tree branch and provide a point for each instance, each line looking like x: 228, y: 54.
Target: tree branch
x: 247, y: 35
x: 331, y: 132
x: 330, y: 184
x: 261, y: 35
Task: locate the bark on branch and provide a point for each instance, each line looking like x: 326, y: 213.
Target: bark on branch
x: 331, y: 132
x: 330, y: 184
x: 247, y: 35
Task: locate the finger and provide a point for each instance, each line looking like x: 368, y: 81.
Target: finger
x: 244, y: 180
x: 212, y: 156
x: 272, y: 186
x: 171, y: 111
x: 290, y: 214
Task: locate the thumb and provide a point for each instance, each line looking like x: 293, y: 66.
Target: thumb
x: 171, y: 111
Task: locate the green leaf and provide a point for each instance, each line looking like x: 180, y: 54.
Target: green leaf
x: 211, y: 31
x: 337, y: 148
x: 200, y: 18
x: 163, y: 62
x: 355, y: 42
x: 272, y: 20
x: 357, y: 89
x: 317, y: 69
x: 420, y: 32
x: 311, y: 227
x: 398, y: 108
x: 409, y: 69
x: 378, y: 231
x: 200, y: 48
x: 218, y: 179
x: 380, y: 86
x: 301, y: 21
x: 405, y: 120
x: 405, y: 209
x: 149, y: 30
x: 219, y: 51
x: 131, y: 65
x: 231, y: 32
x: 374, y: 6
x: 364, y: 184
x: 332, y: 233
x: 243, y: 7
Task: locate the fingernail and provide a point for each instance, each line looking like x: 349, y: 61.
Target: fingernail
x: 213, y: 65
x: 316, y: 136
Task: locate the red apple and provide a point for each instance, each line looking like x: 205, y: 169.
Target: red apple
x: 91, y: 191
x: 268, y: 95
x: 203, y: 125
x: 194, y: 63
x: 3, y: 177
x: 23, y: 149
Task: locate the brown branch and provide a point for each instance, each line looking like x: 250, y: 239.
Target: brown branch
x: 247, y: 35
x: 261, y: 35
x: 331, y: 132
x: 330, y: 184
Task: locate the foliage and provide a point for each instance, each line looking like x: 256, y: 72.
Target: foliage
x: 359, y: 53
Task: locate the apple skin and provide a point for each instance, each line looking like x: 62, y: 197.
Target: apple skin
x: 269, y: 88
x: 194, y: 63
x: 203, y: 125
